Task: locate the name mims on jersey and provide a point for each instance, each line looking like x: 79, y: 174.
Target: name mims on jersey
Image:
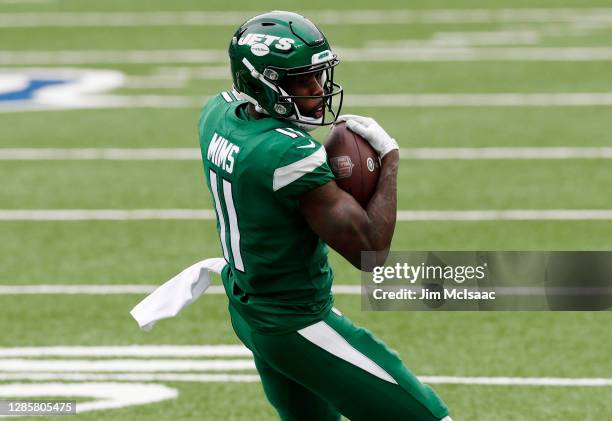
x: 278, y: 277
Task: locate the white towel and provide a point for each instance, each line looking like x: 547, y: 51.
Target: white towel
x: 176, y: 294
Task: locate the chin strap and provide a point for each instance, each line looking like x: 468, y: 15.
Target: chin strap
x: 305, y: 126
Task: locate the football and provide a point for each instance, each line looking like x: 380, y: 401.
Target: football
x: 354, y: 163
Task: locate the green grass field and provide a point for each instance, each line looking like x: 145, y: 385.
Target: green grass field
x: 569, y: 345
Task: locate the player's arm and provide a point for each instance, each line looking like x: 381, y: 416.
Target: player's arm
x: 337, y: 218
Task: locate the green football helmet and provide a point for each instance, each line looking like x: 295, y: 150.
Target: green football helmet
x: 277, y: 45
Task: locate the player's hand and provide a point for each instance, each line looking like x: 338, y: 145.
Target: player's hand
x: 372, y: 132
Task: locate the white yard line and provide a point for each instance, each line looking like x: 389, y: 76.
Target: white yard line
x: 322, y: 17
x: 141, y: 289
x: 205, y: 378
x: 106, y: 395
x: 155, y: 82
x: 507, y: 215
x: 368, y: 54
x: 176, y: 80
x: 181, y: 369
x: 503, y: 37
x: 518, y: 381
x: 142, y: 351
x: 462, y: 39
x: 126, y: 366
x: 469, y: 54
x: 578, y: 99
x: 105, y: 214
x: 112, y: 56
x: 194, y: 154
x: 88, y: 289
x: 120, y: 289
x: 145, y: 377
x: 221, y: 72
x: 208, y: 214
x: 24, y: 2
x: 112, y: 154
x: 517, y: 153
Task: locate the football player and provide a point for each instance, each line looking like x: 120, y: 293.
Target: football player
x: 277, y: 206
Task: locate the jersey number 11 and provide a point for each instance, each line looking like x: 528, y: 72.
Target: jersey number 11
x: 225, y: 202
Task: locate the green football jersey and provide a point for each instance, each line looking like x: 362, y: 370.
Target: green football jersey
x: 278, y: 276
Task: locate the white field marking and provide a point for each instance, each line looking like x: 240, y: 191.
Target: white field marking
x: 110, y: 101
x: 155, y: 81
x: 468, y: 54
x: 24, y: 1
x: 338, y: 289
x: 360, y: 55
x: 112, y: 154
x: 105, y: 214
x: 507, y: 215
x: 194, y: 154
x: 463, y: 39
x: 402, y: 215
x: 182, y: 72
x: 482, y: 100
x: 77, y: 88
x: 486, y: 38
x: 249, y: 378
x: 346, y: 289
x: 107, y: 395
x: 322, y: 17
x: 143, y: 377
x: 126, y: 366
x: 506, y: 153
x: 177, y: 77
x: 142, y: 351
x: 591, y: 99
x: 578, y: 28
x: 368, y: 101
x: 45, y: 289
x: 579, y: 99
x: 69, y: 370
x: 519, y: 381
x: 59, y: 289
x: 112, y: 56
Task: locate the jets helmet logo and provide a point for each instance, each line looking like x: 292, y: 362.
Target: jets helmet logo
x: 267, y: 40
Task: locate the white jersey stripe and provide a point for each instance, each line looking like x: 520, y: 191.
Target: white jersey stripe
x: 324, y: 336
x: 233, y: 223
x: 295, y: 131
x: 286, y: 175
x: 287, y: 133
x: 227, y: 96
x: 214, y: 187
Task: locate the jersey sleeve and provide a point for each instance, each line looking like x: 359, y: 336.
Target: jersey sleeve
x: 302, y: 167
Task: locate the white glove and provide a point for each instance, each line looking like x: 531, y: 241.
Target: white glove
x: 371, y: 131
